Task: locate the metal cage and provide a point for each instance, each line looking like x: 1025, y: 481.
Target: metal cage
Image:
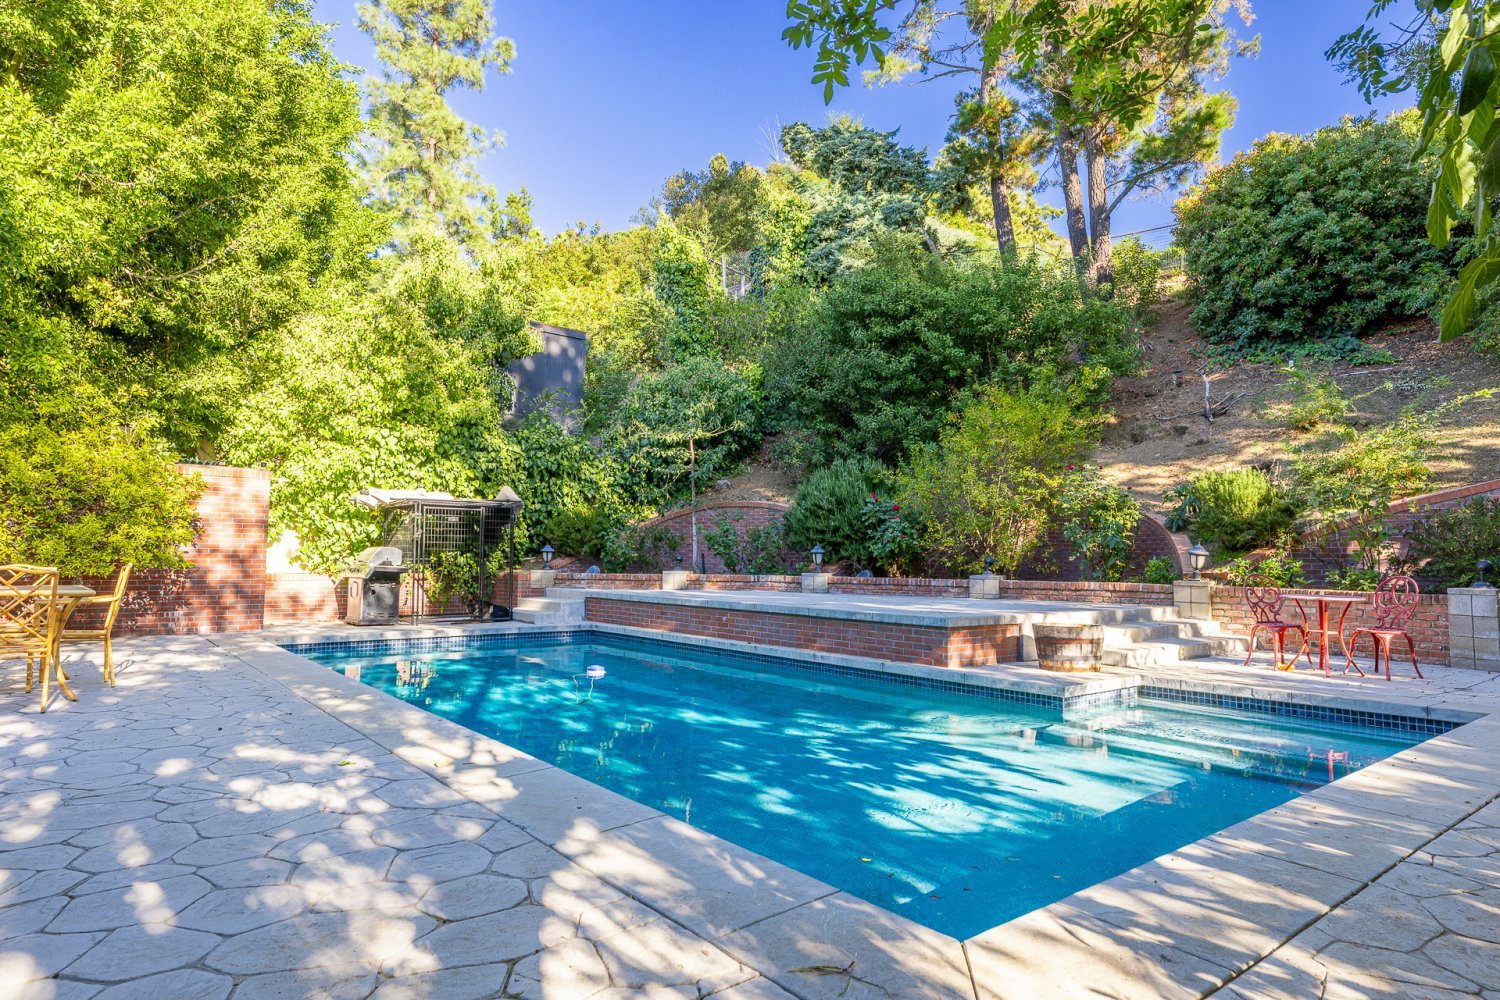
x: 461, y: 553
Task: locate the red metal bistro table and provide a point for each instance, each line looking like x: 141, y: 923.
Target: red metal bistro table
x: 1324, y: 602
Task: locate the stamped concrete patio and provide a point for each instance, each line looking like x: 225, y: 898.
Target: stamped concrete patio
x: 235, y: 821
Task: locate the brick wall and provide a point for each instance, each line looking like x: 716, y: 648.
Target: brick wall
x: 939, y: 647
x: 303, y: 597
x: 752, y: 514
x: 1052, y: 559
x: 898, y: 586
x: 1080, y: 591
x: 224, y: 589
x: 1429, y: 624
x: 1319, y: 555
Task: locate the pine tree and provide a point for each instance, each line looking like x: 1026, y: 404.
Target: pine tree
x: 420, y: 153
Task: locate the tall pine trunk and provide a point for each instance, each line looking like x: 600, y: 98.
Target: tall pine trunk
x: 1067, y: 165
x: 1099, y: 215
x: 1005, y: 231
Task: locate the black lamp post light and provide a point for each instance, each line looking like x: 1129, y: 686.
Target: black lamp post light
x: 817, y: 556
x: 1198, y: 560
x: 547, y: 551
x: 1484, y: 566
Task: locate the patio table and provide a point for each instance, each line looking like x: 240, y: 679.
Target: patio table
x: 69, y: 596
x: 1323, y: 602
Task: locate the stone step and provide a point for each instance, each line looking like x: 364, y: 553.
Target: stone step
x: 1168, y: 650
x: 550, y: 610
x: 1122, y: 635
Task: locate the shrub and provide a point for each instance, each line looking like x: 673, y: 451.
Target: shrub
x: 1160, y: 569
x: 765, y: 549
x: 894, y: 537
x: 1353, y: 578
x: 828, y: 510
x: 1303, y: 243
x: 636, y: 548
x: 577, y: 531
x: 1137, y: 274
x: 1283, y: 570
x: 1240, y: 509
x: 91, y: 499
x: 1099, y: 521
x: 1444, y: 546
x: 723, y: 540
x: 986, y: 486
x: 887, y: 353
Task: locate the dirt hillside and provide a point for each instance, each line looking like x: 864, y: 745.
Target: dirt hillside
x: 1159, y: 437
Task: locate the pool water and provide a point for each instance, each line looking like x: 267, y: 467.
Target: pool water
x: 956, y: 811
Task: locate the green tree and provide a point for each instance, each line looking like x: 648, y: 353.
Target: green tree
x: 986, y: 487
x: 885, y: 354
x: 1303, y: 243
x: 1118, y: 83
x: 1445, y: 51
x: 420, y: 157
x: 393, y: 384
x: 719, y: 206
x: 855, y: 184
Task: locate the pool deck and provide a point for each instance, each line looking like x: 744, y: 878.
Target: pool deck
x: 237, y: 821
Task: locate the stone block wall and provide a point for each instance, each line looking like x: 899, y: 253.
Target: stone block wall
x: 1474, y: 628
x: 938, y: 647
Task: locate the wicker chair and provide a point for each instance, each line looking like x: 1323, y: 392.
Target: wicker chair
x: 111, y: 604
x: 1395, y: 602
x: 29, y: 620
x: 1266, y: 602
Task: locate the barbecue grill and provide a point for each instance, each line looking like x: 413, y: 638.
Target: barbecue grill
x: 374, y: 586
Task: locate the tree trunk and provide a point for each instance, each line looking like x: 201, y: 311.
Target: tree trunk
x: 1099, y: 214
x: 693, y: 493
x: 1005, y: 232
x: 1067, y: 165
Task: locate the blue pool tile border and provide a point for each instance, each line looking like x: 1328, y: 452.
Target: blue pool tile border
x: 570, y: 636
x: 1293, y: 710
x: 1067, y: 705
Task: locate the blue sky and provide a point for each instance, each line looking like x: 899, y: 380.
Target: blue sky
x: 606, y: 98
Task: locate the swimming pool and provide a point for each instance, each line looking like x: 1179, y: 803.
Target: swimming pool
x: 955, y: 809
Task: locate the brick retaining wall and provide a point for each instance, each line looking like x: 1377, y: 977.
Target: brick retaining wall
x: 930, y: 645
x: 1429, y: 624
x: 752, y: 514
x: 224, y: 589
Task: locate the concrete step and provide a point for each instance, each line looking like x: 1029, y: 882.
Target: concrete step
x: 1168, y: 650
x: 548, y: 610
x: 1120, y: 635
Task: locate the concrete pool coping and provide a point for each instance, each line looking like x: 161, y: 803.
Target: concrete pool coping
x: 1185, y: 924
x: 929, y: 612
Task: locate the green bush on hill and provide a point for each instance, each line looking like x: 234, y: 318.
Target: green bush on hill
x: 1303, y: 243
x: 828, y: 510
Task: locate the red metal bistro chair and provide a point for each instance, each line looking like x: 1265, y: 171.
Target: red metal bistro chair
x: 1395, y: 602
x: 1265, y: 601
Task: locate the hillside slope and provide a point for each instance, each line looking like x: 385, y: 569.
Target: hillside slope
x: 1159, y: 438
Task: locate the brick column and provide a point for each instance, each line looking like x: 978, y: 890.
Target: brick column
x: 1474, y: 628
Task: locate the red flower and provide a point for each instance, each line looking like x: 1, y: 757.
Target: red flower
x: 1072, y: 467
x: 895, y: 506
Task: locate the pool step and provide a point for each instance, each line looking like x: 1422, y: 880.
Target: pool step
x: 1165, y: 641
x: 549, y: 610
